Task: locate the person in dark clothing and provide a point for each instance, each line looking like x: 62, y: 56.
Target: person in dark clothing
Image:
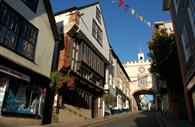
x: 49, y: 101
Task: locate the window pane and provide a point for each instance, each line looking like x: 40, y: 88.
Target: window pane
x: 7, y: 37
x: 94, y: 31
x: 2, y: 32
x: 98, y: 15
x: 97, y: 32
x: 25, y: 48
x: 192, y: 7
x: 22, y: 98
x: 3, y: 10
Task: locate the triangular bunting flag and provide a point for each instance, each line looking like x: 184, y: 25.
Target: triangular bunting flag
x: 141, y: 18
x: 121, y: 3
x: 132, y: 11
x: 149, y: 24
x: 126, y: 7
x: 145, y: 21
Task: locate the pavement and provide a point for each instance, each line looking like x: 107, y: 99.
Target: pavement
x: 164, y: 121
x: 85, y: 123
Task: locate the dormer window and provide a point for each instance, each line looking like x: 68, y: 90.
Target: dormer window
x: 97, y: 32
x: 98, y: 15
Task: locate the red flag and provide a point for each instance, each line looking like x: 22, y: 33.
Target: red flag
x: 152, y: 26
x: 121, y: 3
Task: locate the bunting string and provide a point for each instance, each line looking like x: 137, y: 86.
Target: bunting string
x: 133, y: 12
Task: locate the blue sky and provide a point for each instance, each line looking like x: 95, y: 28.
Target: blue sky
x: 126, y: 33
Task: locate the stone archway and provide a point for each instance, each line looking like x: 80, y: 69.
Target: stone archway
x: 135, y: 95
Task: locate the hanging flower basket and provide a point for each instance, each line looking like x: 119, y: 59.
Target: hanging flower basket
x: 67, y: 78
x: 71, y: 84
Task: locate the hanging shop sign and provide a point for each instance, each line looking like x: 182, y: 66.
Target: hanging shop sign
x: 14, y: 73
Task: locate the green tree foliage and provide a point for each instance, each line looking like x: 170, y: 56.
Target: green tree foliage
x: 55, y: 77
x: 163, y: 54
x: 107, y: 98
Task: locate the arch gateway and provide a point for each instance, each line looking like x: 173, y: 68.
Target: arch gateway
x: 142, y: 82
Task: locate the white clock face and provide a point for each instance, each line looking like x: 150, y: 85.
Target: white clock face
x: 141, y: 69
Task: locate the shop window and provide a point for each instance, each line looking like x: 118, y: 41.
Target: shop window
x: 32, y: 4
x: 76, y: 97
x: 3, y: 85
x: 23, y: 98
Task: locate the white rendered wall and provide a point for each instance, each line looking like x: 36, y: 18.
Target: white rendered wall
x: 45, y: 39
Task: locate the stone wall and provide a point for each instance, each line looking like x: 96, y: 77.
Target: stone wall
x: 72, y: 113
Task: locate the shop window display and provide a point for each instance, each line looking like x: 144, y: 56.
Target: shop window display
x: 23, y: 97
x: 3, y: 84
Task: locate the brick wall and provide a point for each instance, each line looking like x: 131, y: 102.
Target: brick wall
x: 65, y: 53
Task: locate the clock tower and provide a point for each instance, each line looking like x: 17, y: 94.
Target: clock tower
x: 140, y: 56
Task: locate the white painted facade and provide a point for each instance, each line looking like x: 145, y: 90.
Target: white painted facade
x: 45, y: 41
x: 86, y: 17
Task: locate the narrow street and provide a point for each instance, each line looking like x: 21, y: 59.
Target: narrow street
x: 138, y: 119
x: 97, y: 63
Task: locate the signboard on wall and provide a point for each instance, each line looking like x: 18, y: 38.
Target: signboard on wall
x: 14, y: 73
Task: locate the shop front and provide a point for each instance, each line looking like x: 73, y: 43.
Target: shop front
x: 18, y: 95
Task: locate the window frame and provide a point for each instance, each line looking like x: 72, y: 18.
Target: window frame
x: 97, y: 32
x: 185, y: 45
x: 92, y: 59
x: 20, y: 25
x: 191, y: 14
x: 98, y: 15
x: 75, y: 54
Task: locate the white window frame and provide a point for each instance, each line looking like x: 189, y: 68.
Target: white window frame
x: 185, y: 44
x: 190, y: 13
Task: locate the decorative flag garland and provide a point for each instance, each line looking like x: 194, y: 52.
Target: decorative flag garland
x: 133, y: 12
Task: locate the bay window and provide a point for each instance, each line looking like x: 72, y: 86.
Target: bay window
x: 16, y: 33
